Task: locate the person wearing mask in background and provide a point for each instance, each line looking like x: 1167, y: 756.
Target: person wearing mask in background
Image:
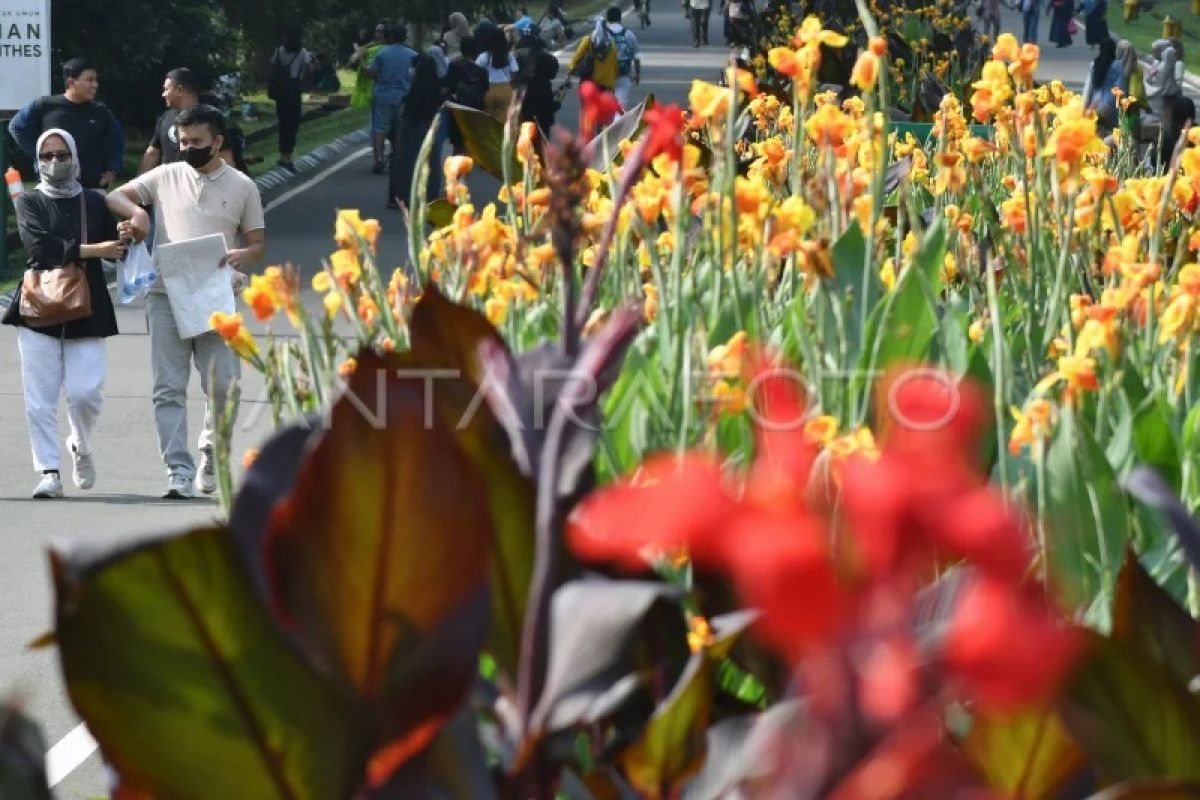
x: 498, y: 60
x: 595, y: 58
x: 181, y: 91
x: 629, y: 56
x: 1162, y: 80
x: 364, y: 54
x: 291, y: 67
x: 421, y: 108
x: 61, y: 223
x: 99, y: 138
x: 457, y: 29
x: 199, y: 196
x: 697, y: 12
x: 467, y: 85
x: 392, y: 70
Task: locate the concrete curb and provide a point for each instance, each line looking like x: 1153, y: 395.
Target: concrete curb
x: 279, y: 178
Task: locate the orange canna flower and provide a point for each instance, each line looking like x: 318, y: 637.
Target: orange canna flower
x: 866, y: 71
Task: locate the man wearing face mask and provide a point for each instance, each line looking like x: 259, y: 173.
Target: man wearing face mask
x: 198, y: 196
x: 98, y: 136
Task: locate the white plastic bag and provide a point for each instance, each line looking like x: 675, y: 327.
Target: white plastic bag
x: 137, y: 273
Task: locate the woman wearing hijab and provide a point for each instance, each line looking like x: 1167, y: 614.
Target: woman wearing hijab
x: 1061, y: 12
x: 421, y: 108
x: 1105, y: 74
x: 498, y: 60
x: 457, y: 29
x: 1135, y: 88
x: 61, y: 223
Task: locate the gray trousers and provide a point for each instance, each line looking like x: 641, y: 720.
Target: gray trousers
x: 171, y: 361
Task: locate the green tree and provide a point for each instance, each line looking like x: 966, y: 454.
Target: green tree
x: 135, y: 42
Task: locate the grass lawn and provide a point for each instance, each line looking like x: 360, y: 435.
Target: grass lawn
x: 1148, y: 27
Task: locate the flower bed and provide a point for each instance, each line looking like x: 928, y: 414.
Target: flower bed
x: 878, y: 455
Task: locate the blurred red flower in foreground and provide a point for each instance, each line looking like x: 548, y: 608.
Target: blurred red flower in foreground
x: 923, y: 504
x: 597, y: 108
x: 664, y: 132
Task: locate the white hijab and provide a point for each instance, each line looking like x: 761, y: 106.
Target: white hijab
x: 64, y: 189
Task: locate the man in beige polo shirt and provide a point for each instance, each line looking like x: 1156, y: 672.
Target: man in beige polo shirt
x: 197, y: 196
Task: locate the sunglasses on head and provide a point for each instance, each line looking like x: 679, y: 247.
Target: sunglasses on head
x: 61, y: 155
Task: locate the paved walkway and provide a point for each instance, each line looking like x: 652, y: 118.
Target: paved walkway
x: 125, y: 502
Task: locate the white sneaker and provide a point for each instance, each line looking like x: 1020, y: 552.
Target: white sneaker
x: 49, y: 487
x: 85, y: 469
x: 179, y: 488
x: 206, y: 478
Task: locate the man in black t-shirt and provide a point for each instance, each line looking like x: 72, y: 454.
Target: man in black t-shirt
x: 181, y: 90
x: 99, y: 138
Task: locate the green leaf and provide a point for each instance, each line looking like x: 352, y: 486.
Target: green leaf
x: 1131, y: 716
x: 1150, y: 622
x: 671, y: 747
x: 483, y: 136
x: 1154, y: 440
x: 1191, y: 431
x: 22, y: 758
x: 1119, y: 449
x: 849, y: 255
x: 905, y: 319
x: 180, y: 673
x: 439, y: 212
x: 1029, y: 756
x: 1087, y: 516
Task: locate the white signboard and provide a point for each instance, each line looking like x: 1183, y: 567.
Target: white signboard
x: 24, y: 52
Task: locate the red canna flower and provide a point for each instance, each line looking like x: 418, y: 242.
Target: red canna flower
x: 664, y: 131
x: 1007, y: 644
x: 598, y: 106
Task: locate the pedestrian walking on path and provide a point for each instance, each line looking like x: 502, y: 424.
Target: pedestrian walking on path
x: 197, y: 197
x: 629, y: 56
x: 62, y: 223
x: 1095, y: 21
x: 99, y: 138
x: 1062, y: 13
x: 421, y: 108
x: 595, y: 58
x: 364, y: 54
x: 643, y: 11
x: 697, y: 12
x: 291, y: 67
x: 181, y: 91
x: 457, y: 29
x: 1030, y: 12
x: 392, y: 72
x: 501, y: 65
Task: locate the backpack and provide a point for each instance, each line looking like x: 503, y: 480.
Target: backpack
x: 624, y: 53
x: 283, y: 79
x: 472, y: 87
x: 593, y: 53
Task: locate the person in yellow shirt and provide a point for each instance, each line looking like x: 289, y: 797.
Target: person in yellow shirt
x: 595, y: 58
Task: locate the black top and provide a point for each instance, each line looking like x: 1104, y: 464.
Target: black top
x: 166, y: 137
x: 425, y: 96
x: 50, y: 232
x: 89, y: 123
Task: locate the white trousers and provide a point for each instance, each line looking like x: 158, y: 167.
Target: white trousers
x: 622, y: 90
x: 51, y: 367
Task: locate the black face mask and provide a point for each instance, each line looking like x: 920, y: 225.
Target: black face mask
x: 197, y: 157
